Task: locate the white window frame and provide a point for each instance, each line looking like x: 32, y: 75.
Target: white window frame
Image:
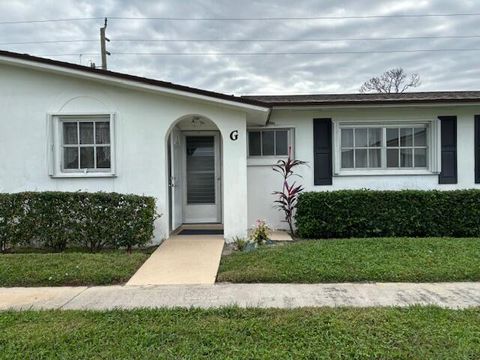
x: 433, y: 147
x: 56, y: 169
x: 268, y: 160
x: 289, y: 137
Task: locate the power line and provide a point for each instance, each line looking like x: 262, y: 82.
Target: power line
x: 8, y: 22
x: 270, y: 53
x: 302, y: 40
x: 46, y: 42
x: 294, y: 18
x: 249, y: 40
x: 68, y: 54
x: 289, y: 53
x: 11, y: 22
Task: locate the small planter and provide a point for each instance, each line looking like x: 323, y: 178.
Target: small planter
x: 251, y: 246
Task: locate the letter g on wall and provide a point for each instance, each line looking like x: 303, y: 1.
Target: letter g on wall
x: 234, y: 135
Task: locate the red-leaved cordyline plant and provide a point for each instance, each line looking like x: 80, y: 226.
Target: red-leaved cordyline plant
x: 287, y: 198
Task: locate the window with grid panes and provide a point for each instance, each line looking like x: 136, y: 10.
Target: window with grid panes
x: 86, y: 144
x: 386, y: 147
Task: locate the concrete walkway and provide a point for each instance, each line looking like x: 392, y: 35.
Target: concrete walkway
x: 182, y: 260
x: 450, y: 295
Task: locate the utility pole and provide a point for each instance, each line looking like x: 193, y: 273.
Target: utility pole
x: 103, y: 46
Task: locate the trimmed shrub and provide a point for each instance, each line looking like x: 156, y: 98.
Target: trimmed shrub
x: 60, y: 219
x: 368, y: 213
x: 13, y: 227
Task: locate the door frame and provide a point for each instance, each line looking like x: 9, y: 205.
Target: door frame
x: 218, y: 172
x: 175, y: 180
x: 169, y: 182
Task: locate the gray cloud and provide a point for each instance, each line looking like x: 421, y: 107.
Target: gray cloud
x: 279, y: 74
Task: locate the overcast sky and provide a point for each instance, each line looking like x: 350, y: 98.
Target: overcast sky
x: 241, y: 74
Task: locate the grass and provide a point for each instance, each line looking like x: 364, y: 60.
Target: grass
x: 350, y: 260
x: 70, y: 268
x: 233, y: 333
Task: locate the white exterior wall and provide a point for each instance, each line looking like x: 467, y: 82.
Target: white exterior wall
x: 143, y: 120
x: 262, y: 180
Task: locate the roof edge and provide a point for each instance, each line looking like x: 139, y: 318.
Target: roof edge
x: 137, y: 79
x: 425, y: 97
x: 372, y: 103
x: 265, y: 102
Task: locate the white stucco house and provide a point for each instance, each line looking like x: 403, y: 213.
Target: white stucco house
x: 207, y: 157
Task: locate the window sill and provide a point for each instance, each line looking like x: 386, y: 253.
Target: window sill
x: 83, y: 175
x: 382, y: 172
x: 265, y: 161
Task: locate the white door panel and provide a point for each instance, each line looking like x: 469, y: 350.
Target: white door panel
x: 202, y: 200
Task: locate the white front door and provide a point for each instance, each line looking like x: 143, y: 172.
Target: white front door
x: 202, y: 194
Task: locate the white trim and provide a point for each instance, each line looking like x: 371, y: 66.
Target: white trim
x: 385, y: 123
x: 84, y: 175
x: 384, y: 172
x: 272, y: 126
x: 434, y: 144
x: 433, y: 147
x: 265, y: 160
x: 55, y: 146
x: 131, y: 83
x: 50, y: 146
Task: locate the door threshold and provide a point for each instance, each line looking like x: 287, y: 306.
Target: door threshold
x: 198, y: 226
x: 207, y: 232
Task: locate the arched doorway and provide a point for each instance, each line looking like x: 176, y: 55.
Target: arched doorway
x: 194, y: 147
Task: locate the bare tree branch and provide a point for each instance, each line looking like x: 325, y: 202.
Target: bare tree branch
x: 391, y: 81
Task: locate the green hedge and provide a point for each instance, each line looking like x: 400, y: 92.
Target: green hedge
x: 60, y: 219
x: 367, y: 213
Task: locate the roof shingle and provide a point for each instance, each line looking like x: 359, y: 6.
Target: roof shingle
x: 366, y: 99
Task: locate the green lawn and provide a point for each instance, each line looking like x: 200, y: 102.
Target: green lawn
x: 380, y: 259
x: 232, y: 333
x: 73, y: 267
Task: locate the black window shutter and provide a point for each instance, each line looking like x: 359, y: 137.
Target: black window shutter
x: 448, y: 175
x: 477, y: 149
x: 322, y: 151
